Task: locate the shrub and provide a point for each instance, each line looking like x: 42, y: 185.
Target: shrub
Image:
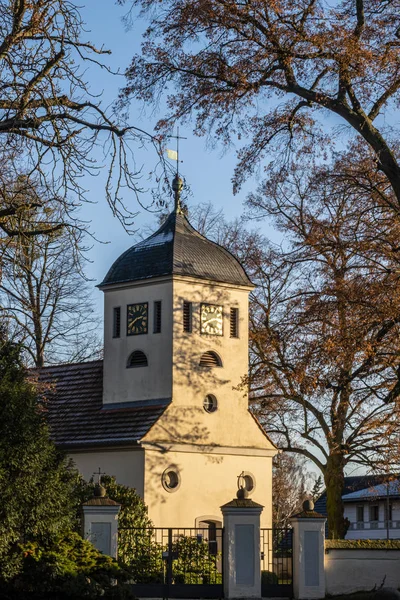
x: 194, y: 563
x: 269, y: 578
x: 68, y: 567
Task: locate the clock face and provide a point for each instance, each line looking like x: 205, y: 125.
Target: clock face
x: 211, y: 319
x: 136, y: 322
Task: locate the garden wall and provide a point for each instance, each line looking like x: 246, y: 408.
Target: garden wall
x: 355, y: 569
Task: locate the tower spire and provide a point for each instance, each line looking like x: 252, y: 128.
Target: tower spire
x: 177, y: 183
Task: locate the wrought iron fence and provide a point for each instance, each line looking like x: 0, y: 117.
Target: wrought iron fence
x: 172, y: 556
x: 276, y: 546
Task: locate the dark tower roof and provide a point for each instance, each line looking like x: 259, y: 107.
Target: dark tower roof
x: 176, y: 249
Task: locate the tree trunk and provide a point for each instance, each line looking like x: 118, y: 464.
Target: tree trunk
x: 334, y: 482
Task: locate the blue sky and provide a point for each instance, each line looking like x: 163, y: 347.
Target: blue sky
x: 208, y: 172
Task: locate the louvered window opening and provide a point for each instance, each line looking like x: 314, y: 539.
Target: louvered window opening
x: 210, y: 359
x: 117, y: 322
x: 157, y: 317
x: 234, y: 323
x: 187, y: 317
x: 137, y: 359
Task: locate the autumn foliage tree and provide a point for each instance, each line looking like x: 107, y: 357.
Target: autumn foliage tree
x: 273, y: 71
x: 325, y: 325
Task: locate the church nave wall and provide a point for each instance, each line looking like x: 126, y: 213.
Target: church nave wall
x: 207, y: 481
x: 127, y: 466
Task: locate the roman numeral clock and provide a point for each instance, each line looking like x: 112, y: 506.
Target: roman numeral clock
x: 137, y: 318
x: 211, y: 319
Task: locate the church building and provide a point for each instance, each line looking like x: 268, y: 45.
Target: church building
x: 165, y: 412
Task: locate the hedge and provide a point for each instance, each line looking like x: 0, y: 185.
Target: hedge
x: 363, y: 544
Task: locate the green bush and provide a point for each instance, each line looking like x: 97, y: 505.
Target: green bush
x: 269, y: 578
x: 141, y: 555
x: 67, y: 568
x: 193, y: 562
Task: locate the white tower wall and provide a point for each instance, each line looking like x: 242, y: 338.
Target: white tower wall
x: 122, y: 384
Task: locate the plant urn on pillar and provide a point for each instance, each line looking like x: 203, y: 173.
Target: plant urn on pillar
x: 100, y: 521
x: 308, y: 553
x: 242, y: 568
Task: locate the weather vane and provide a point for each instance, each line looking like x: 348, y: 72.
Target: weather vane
x: 177, y: 183
x: 174, y: 154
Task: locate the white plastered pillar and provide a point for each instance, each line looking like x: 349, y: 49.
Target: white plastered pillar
x: 241, y: 558
x: 100, y: 522
x: 308, y: 553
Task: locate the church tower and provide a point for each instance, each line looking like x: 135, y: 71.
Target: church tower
x: 176, y: 320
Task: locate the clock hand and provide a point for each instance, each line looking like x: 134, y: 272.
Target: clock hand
x: 134, y: 321
x: 213, y: 319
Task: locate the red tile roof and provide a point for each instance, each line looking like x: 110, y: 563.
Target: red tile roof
x: 76, y: 416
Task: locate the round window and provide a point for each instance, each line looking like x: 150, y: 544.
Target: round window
x: 210, y: 403
x: 171, y: 479
x: 247, y: 480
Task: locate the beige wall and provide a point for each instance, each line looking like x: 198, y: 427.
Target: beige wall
x: 152, y: 382
x: 185, y: 420
x: 127, y: 466
x: 356, y: 569
x: 208, y: 480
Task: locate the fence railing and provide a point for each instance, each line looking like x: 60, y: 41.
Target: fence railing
x: 276, y: 556
x: 173, y: 556
x: 363, y: 525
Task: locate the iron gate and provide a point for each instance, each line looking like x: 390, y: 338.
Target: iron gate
x: 173, y: 562
x: 276, y: 546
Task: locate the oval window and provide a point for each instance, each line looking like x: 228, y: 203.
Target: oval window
x: 171, y: 479
x: 210, y: 403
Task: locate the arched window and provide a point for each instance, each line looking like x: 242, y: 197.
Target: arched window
x: 210, y: 359
x: 137, y: 359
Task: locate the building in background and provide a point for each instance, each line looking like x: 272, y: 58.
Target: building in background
x: 371, y: 506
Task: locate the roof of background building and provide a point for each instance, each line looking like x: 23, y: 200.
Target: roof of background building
x: 77, y: 417
x: 351, y: 485
x: 380, y: 490
x: 176, y: 249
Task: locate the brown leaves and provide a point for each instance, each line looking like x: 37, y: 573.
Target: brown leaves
x: 231, y: 64
x: 326, y: 317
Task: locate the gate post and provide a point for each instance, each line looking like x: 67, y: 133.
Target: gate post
x: 308, y: 553
x: 241, y: 549
x: 100, y: 522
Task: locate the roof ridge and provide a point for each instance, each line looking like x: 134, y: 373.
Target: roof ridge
x: 63, y: 365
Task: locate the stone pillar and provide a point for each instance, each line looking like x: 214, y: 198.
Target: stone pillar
x: 100, y: 522
x: 242, y: 568
x: 308, y: 553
